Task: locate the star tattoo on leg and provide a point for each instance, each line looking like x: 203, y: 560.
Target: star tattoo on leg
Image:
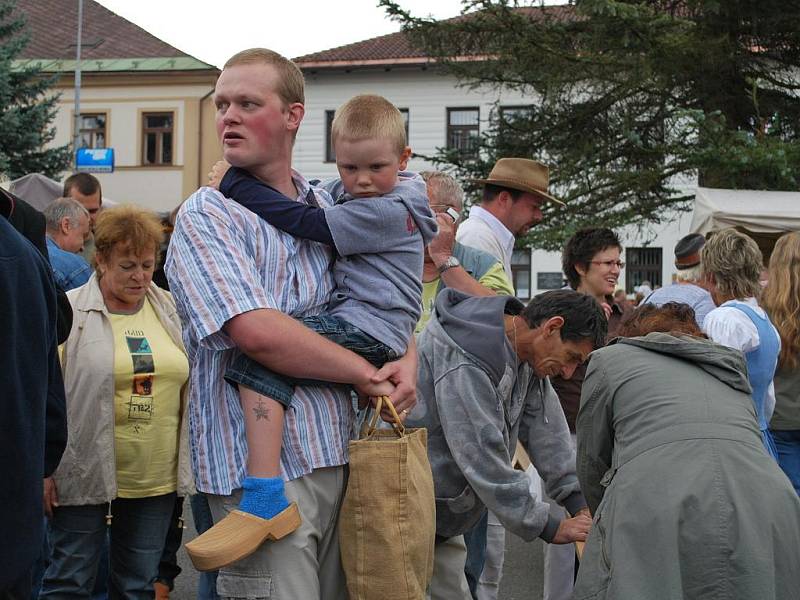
x: 261, y: 411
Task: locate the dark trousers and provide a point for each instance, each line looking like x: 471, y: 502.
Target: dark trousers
x: 18, y: 590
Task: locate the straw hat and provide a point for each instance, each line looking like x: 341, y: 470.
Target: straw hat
x: 521, y: 174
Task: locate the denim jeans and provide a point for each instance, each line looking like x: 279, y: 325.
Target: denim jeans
x: 203, y: 521
x: 168, y: 568
x: 475, y: 541
x: 251, y: 374
x: 37, y: 572
x: 788, y: 444
x: 77, y: 534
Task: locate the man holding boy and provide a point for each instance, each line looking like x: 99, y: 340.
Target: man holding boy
x: 236, y: 279
x: 379, y: 226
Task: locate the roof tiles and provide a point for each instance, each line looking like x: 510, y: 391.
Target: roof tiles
x: 52, y: 26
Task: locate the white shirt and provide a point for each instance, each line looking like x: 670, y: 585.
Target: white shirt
x: 483, y: 231
x: 730, y: 327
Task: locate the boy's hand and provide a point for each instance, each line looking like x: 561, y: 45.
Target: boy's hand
x: 217, y: 173
x: 373, y: 389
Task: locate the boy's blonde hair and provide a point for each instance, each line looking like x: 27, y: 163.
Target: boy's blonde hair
x: 291, y: 85
x: 369, y: 117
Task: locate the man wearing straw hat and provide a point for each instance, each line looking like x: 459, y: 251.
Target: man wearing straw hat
x: 513, y: 195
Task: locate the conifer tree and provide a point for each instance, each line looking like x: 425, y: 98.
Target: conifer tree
x: 631, y: 100
x: 27, y: 107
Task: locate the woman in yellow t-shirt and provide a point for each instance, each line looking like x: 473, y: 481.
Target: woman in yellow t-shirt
x: 125, y: 375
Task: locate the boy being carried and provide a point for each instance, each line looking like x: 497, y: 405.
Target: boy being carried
x: 379, y: 226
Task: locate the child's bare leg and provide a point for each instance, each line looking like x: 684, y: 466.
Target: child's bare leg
x: 238, y: 535
x: 263, y: 425
x: 263, y: 493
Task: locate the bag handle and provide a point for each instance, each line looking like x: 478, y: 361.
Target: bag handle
x: 398, y: 426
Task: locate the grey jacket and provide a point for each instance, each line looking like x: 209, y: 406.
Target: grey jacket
x: 87, y: 472
x: 476, y: 399
x: 381, y: 243
x: 686, y: 502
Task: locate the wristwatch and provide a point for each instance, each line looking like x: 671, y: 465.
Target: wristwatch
x: 451, y: 262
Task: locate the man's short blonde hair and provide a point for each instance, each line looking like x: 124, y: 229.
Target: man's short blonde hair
x: 369, y: 117
x: 291, y: 85
x: 735, y: 262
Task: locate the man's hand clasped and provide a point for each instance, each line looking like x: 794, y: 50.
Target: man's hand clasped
x: 575, y: 529
x: 396, y: 379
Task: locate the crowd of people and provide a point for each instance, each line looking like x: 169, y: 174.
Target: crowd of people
x: 220, y: 363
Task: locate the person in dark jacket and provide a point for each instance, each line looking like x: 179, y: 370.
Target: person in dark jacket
x: 31, y: 224
x: 33, y: 430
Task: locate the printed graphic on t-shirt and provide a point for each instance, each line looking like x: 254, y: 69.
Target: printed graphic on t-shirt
x: 140, y: 406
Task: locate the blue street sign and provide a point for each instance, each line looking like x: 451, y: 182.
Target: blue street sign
x: 95, y: 160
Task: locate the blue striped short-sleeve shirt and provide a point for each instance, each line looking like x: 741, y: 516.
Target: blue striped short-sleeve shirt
x: 223, y: 261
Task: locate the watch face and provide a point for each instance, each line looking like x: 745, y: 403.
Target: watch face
x: 449, y: 264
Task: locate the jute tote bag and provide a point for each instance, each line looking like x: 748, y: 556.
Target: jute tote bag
x: 387, y: 525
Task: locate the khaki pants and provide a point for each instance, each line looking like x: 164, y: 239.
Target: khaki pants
x: 448, y: 581
x: 303, y: 565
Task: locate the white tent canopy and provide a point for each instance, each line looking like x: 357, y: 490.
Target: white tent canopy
x: 754, y: 210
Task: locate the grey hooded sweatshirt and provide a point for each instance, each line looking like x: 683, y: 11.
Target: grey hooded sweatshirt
x: 476, y: 398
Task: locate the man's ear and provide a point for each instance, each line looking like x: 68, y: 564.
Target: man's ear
x: 581, y: 269
x: 295, y: 114
x: 505, y: 198
x: 554, y: 325
x: 63, y: 226
x: 404, y: 156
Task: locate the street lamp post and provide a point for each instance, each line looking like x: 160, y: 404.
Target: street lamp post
x: 77, y: 130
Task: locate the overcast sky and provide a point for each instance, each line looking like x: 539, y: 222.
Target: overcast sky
x: 214, y: 30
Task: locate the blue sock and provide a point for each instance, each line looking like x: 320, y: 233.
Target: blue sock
x: 263, y: 497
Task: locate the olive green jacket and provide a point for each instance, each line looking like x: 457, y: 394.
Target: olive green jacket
x: 686, y: 501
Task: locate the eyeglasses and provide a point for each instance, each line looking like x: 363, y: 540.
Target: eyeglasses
x: 609, y: 263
